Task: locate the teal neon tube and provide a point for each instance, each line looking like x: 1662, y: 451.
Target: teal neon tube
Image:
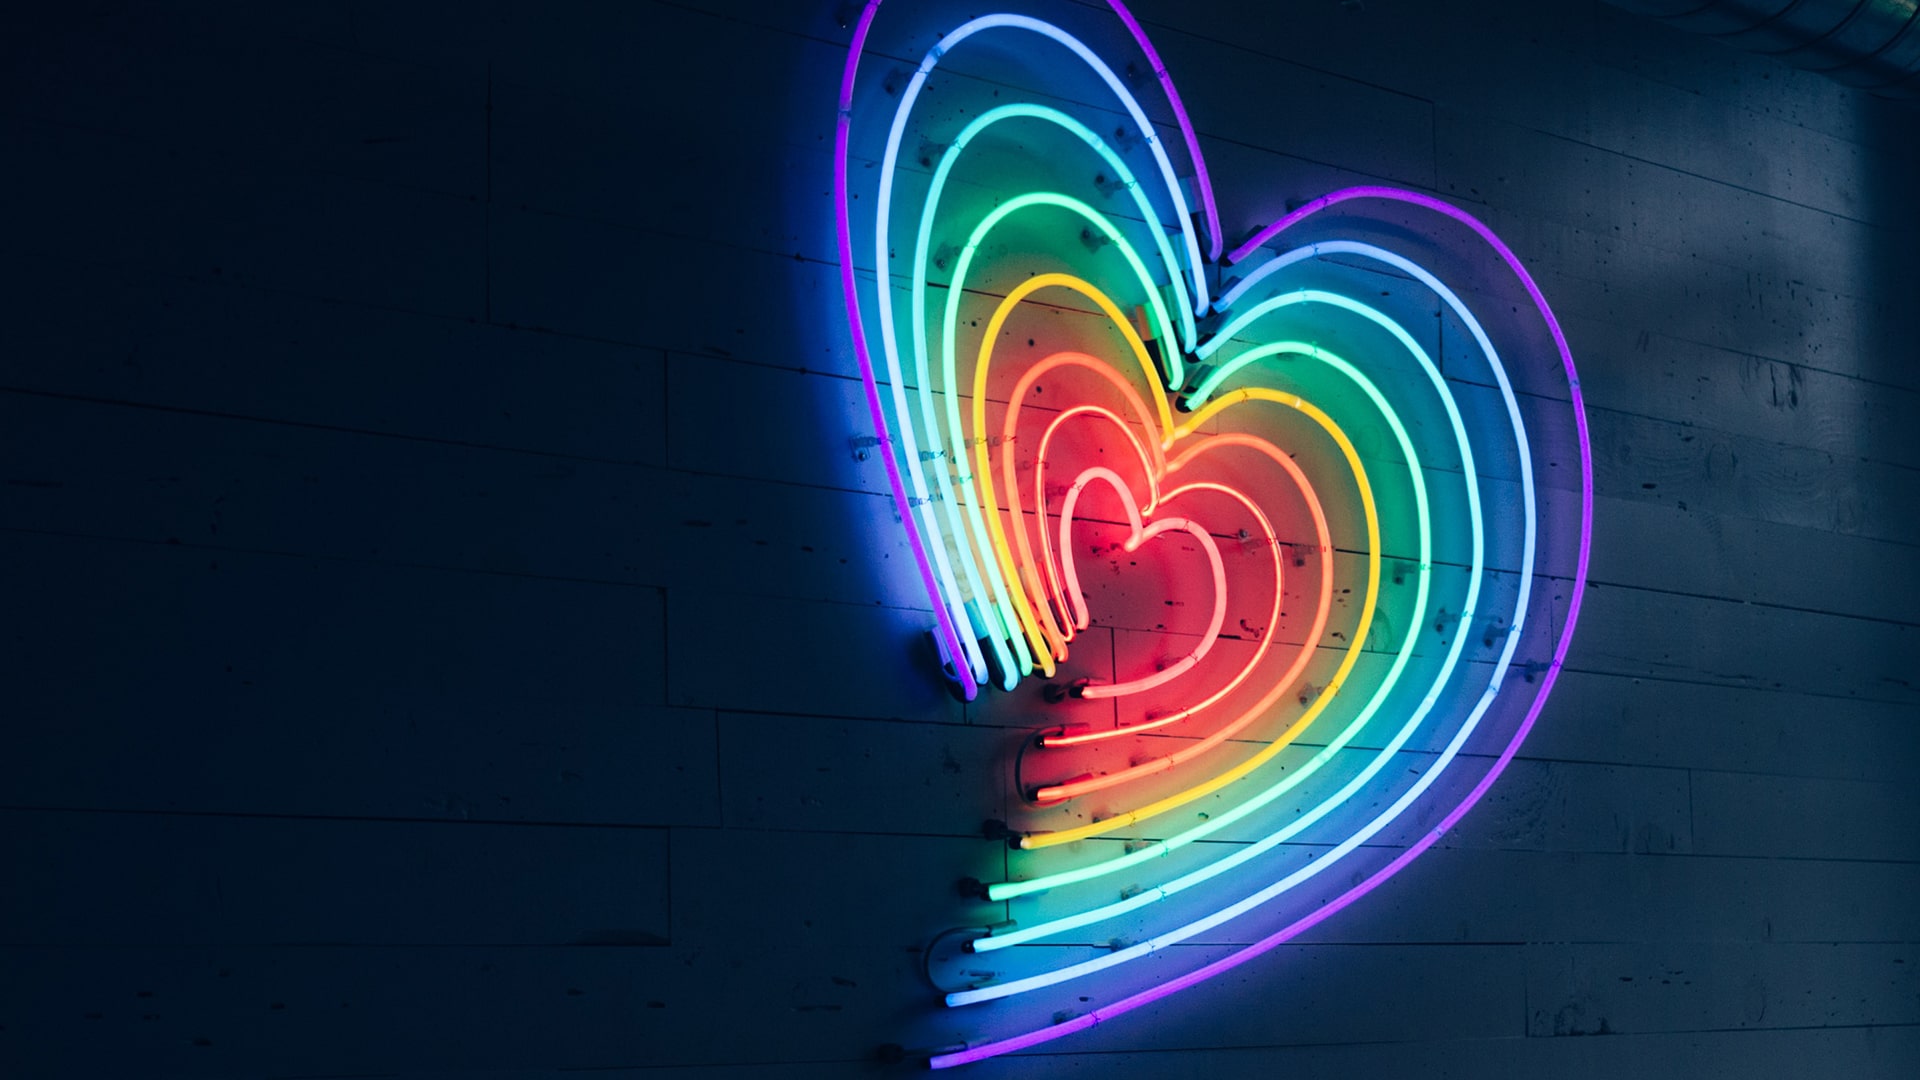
x: 966, y: 498
x: 992, y: 625
x: 1070, y: 922
x: 1012, y: 889
x: 1381, y: 758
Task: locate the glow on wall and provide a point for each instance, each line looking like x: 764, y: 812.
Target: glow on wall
x: 1279, y: 548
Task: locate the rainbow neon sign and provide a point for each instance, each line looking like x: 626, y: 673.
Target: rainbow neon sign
x: 1328, y: 508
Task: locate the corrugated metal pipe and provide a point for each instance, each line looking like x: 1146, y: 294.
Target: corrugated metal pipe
x: 1872, y: 44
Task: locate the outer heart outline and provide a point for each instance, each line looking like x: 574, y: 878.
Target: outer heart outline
x: 966, y: 493
x: 947, y: 629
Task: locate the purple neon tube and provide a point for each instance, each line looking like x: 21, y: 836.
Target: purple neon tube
x: 1307, y: 922
x: 1201, y: 179
x: 949, y: 639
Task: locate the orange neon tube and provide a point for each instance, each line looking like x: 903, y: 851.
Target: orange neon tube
x: 1266, y: 640
x: 1059, y: 792
x: 1138, y: 536
x: 1058, y: 599
x: 1009, y: 467
x: 1269, y: 752
x: 983, y: 466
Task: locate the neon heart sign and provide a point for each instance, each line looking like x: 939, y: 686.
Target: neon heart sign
x: 1208, y: 436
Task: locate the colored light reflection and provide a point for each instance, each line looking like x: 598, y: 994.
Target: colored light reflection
x: 996, y: 556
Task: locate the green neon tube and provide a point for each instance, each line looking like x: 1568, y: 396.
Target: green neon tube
x: 922, y: 249
x: 924, y: 242
x: 1007, y: 890
x: 1293, y: 828
x: 961, y: 489
x: 1163, y: 413
x: 1010, y: 889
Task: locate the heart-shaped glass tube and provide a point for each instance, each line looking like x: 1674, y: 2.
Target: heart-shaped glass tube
x: 1007, y: 605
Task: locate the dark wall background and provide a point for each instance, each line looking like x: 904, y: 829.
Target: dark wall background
x: 444, y: 634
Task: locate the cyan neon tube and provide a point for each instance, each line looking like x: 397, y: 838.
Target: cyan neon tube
x: 950, y: 606
x: 1009, y: 889
x: 967, y: 665
x: 1215, y: 822
x: 1255, y: 900
x: 924, y: 241
x: 1245, y: 854
x: 1551, y: 675
x: 1199, y: 296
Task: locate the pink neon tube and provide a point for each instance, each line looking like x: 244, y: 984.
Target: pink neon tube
x: 1084, y: 785
x: 1057, y: 636
x: 1272, y: 541
x: 1062, y: 631
x: 1547, y: 680
x: 1137, y: 537
x: 1057, y: 595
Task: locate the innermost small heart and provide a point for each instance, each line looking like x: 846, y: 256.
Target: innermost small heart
x: 1139, y: 535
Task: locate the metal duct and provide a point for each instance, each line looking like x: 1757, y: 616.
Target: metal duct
x: 1872, y: 44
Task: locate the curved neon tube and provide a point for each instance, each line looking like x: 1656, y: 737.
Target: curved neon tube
x: 1005, y: 598
x: 1248, y: 903
x: 1551, y: 675
x: 995, y: 630
x: 968, y: 666
x: 1479, y: 334
x: 1202, y: 180
x: 1056, y: 588
x: 1326, y: 595
x: 931, y: 559
x: 1279, y: 688
x: 924, y: 241
x: 1088, y: 784
x: 1475, y: 578
x: 1136, y: 537
x: 942, y: 604
x: 1272, y: 541
x: 1206, y: 388
x: 987, y: 524
x: 1034, y: 841
x: 1058, y: 632
x: 889, y: 161
x: 1266, y: 844
x: 1392, y: 747
x: 965, y: 496
x: 1249, y: 852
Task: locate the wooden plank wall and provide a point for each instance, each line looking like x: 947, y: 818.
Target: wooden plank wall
x: 445, y: 633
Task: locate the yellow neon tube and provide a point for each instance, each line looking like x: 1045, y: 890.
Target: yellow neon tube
x: 1199, y: 791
